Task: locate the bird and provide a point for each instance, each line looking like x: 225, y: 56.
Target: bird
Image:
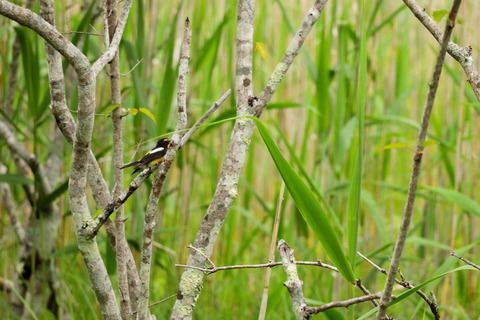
x: 156, y: 155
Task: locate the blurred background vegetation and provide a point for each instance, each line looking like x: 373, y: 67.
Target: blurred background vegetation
x: 313, y: 117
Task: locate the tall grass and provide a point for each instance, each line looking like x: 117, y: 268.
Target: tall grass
x: 314, y: 118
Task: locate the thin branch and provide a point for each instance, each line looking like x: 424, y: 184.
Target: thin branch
x: 476, y: 266
x: 271, y: 254
x: 132, y: 68
x: 432, y: 303
x: 203, y: 118
x: 128, y: 294
x: 214, y: 269
x: 149, y: 226
x: 289, y: 56
x: 48, y: 32
x: 86, y: 33
x: 16, y: 147
x: 108, y: 55
x: 342, y: 304
x: 118, y: 201
x: 417, y: 161
x: 461, y: 54
x: 226, y: 190
x: 365, y: 291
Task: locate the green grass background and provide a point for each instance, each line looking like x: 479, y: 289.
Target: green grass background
x: 313, y: 118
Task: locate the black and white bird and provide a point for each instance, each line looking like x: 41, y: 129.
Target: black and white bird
x: 156, y: 155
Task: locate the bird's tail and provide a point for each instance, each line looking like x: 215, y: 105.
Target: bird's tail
x: 130, y: 164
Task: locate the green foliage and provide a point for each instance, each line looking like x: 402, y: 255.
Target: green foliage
x: 309, y: 207
x: 317, y: 116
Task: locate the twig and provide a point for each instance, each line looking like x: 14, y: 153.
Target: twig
x: 432, y: 303
x: 227, y: 185
x: 203, y: 118
x: 149, y: 226
x: 461, y: 54
x: 118, y: 201
x: 365, y: 290
x: 131, y: 69
x: 476, y: 266
x: 342, y: 304
x: 108, y: 55
x: 290, y: 54
x: 214, y: 268
x: 203, y: 254
x: 271, y: 254
x: 86, y: 33
x: 417, y: 161
x: 158, y: 302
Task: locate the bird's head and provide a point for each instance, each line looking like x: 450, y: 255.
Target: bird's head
x: 164, y: 143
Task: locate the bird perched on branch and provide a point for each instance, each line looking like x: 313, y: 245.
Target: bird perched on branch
x: 156, y: 155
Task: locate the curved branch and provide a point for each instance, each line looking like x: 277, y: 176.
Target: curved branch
x: 461, y: 54
x: 112, y: 49
x: 48, y: 32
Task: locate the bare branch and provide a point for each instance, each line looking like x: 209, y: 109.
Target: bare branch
x: 48, y: 32
x: 432, y: 303
x: 214, y: 269
x: 227, y: 185
x: 342, y: 304
x: 461, y: 54
x: 128, y: 294
x: 146, y: 258
x: 108, y: 55
x: 118, y: 201
x: 476, y: 266
x: 417, y: 161
x: 271, y: 254
x: 289, y: 55
x: 207, y: 114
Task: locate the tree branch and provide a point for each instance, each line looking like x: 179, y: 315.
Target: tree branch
x: 417, y: 161
x: 461, y: 54
x: 48, y: 32
x: 476, y: 266
x: 149, y: 226
x: 432, y: 303
x: 289, y: 55
x: 293, y: 283
x: 108, y: 55
x: 227, y: 186
x: 214, y: 269
x: 342, y: 304
x: 135, y: 184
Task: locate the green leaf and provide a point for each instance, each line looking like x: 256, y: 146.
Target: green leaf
x: 308, y: 206
x: 285, y: 105
x: 461, y: 200
x: 15, y: 179
x: 353, y: 205
x: 409, y: 292
x: 396, y: 145
x: 439, y: 14
x: 428, y: 243
x: 429, y: 143
x: 148, y: 113
x: 111, y: 108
